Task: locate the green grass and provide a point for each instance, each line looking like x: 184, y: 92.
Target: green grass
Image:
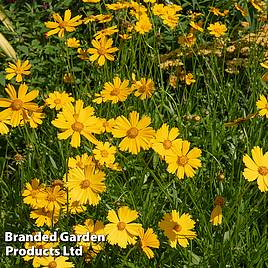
x: 144, y: 184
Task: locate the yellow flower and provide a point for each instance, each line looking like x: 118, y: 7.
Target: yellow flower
x: 45, y: 217
x: 188, y: 40
x: 85, y: 185
x: 117, y: 6
x: 102, y: 50
x: 143, y: 25
x: 106, y: 32
x: 182, y: 161
x: 116, y: 91
x: 145, y: 88
x: 76, y: 121
x: 107, y: 125
x: 136, y: 133
x: 164, y: 140
x: 74, y: 207
x: 196, y: 26
x: 19, y: 104
x: 53, y: 262
x: 189, y: 79
x: 31, y: 192
x: 244, y: 12
x: 51, y: 198
x: 217, y: 12
x: 217, y: 29
x: 178, y: 228
x: 33, y: 118
x: 104, y: 153
x: 58, y: 99
x: 81, y: 161
x: 121, y: 231
x: 257, y: 168
x: 19, y: 69
x: 91, y: 1
x: 148, y: 240
x: 4, y: 119
x: 60, y: 25
x: 216, y: 214
x: 72, y: 42
x: 262, y: 104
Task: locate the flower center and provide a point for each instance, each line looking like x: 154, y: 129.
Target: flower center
x: 34, y: 193
x: 182, y: 160
x: 16, y: 104
x: 142, y: 89
x: 115, y: 92
x: 266, y: 106
x: 121, y: 226
x: 85, y: 184
x: 167, y: 144
x: 177, y: 228
x: 102, y: 51
x: 75, y: 204
x: 132, y: 132
x: 52, y: 264
x: 57, y: 101
x: 63, y: 24
x: 80, y: 164
x: 104, y: 153
x: 51, y: 198
x: 77, y: 126
x: 19, y: 70
x: 263, y: 171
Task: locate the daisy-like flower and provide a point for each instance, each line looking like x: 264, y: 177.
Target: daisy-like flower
x: 121, y: 230
x: 72, y: 42
x: 164, y: 140
x: 4, y: 120
x: 58, y: 99
x: 102, y: 50
x: 104, y: 153
x: 81, y: 161
x: 196, y: 26
x: 257, y: 168
x: 33, y: 118
x: 262, y: 104
x: 106, y: 32
x: 187, y: 40
x: 19, y: 104
x: 178, y: 229
x: 144, y: 88
x: 182, y: 161
x: 216, y: 213
x: 52, y: 198
x: 53, y: 262
x: 148, y: 240
x: 60, y: 25
x: 45, y: 217
x: 107, y: 125
x: 19, y: 69
x: 86, y: 185
x: 217, y: 29
x: 116, y: 91
x: 74, y: 207
x: 91, y: 1
x: 143, y: 25
x: 76, y: 121
x: 31, y: 193
x: 136, y: 133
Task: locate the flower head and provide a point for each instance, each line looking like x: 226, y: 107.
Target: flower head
x: 257, y: 168
x: 58, y: 99
x: 104, y: 153
x: 55, y: 262
x: 262, y: 104
x: 144, y: 88
x: 19, y: 69
x: 217, y: 29
x: 178, y: 228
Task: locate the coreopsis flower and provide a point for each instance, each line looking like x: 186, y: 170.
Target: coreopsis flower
x: 60, y: 25
x: 52, y: 198
x: 182, y: 161
x: 72, y: 42
x: 103, y: 18
x: 53, y: 262
x: 243, y: 11
x: 178, y: 228
x: 216, y: 11
x: 125, y: 36
x: 216, y: 214
x: 104, y: 153
x: 74, y: 207
x: 76, y: 121
x: 144, y: 88
x: 33, y: 118
x: 80, y: 161
x: 196, y: 26
x: 262, y: 104
x: 83, y: 54
x: 45, y: 217
x: 102, y: 50
x: 91, y: 1
x: 4, y: 120
x: 257, y: 168
x: 31, y: 193
x: 121, y: 230
x: 164, y: 140
x: 217, y: 29
x: 19, y: 104
x: 187, y: 40
x: 136, y: 133
x: 143, y: 25
x: 86, y: 185
x: 19, y: 69
x: 189, y: 79
x: 256, y: 5
x: 58, y: 99
x: 148, y: 240
x: 116, y: 91
x: 106, y: 32
x: 107, y: 125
